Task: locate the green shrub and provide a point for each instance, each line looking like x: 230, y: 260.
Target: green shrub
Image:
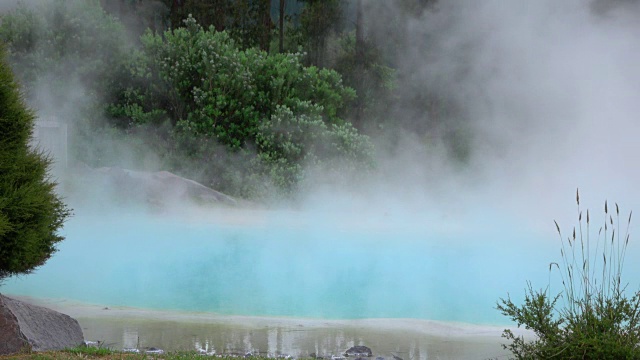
x: 597, y: 320
x: 206, y: 84
x: 247, y: 121
x: 31, y: 213
x: 290, y: 144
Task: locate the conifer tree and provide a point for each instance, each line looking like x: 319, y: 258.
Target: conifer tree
x: 31, y: 213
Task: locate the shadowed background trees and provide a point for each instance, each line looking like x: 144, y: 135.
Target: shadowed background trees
x: 203, y: 84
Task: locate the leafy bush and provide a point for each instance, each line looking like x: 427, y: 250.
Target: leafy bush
x: 597, y: 319
x: 31, y: 213
x: 270, y: 113
x: 205, y: 83
x: 290, y: 143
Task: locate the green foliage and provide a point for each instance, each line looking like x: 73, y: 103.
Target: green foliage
x: 205, y: 84
x: 89, y: 351
x: 31, y: 213
x: 214, y: 93
x: 289, y: 143
x: 597, y: 319
x: 202, y: 100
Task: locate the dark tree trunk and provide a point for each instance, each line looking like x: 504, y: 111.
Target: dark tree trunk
x: 175, y: 13
x: 265, y: 37
x: 357, y: 121
x: 281, y: 20
x: 220, y: 15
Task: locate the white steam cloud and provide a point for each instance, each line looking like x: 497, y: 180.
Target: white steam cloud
x: 551, y: 91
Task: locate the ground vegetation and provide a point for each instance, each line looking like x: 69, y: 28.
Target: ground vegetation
x: 595, y: 316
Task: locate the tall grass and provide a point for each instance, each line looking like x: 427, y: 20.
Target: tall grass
x: 595, y: 319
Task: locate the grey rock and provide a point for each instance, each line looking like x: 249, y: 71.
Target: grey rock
x: 358, y: 351
x: 159, y: 187
x: 28, y: 327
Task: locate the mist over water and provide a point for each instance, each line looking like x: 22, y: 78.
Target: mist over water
x: 286, y: 264
x: 551, y: 91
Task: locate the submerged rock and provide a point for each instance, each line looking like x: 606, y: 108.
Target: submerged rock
x: 29, y: 327
x: 358, y: 351
x: 154, y: 351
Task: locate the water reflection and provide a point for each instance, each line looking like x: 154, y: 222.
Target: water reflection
x: 285, y: 340
x: 130, y: 338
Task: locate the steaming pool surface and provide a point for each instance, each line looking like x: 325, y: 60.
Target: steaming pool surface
x: 262, y: 263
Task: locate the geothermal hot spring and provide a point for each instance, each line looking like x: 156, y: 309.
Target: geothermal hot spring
x: 270, y: 263
x: 389, y: 279
x: 550, y: 90
x: 413, y: 277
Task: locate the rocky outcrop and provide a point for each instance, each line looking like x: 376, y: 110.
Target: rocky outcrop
x: 29, y: 327
x: 161, y: 187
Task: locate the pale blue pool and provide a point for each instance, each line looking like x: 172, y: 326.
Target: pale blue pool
x: 296, y: 264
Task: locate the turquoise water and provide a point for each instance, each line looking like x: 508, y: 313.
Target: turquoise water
x: 336, y: 266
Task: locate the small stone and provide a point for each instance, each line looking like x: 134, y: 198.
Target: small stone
x: 358, y: 351
x: 154, y: 351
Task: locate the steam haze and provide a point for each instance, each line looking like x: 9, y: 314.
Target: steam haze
x: 547, y: 94
x: 549, y: 90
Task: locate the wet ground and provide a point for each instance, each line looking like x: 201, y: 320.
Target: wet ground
x: 120, y: 328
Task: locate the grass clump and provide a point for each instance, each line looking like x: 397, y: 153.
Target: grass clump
x: 90, y: 351
x: 593, y: 317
